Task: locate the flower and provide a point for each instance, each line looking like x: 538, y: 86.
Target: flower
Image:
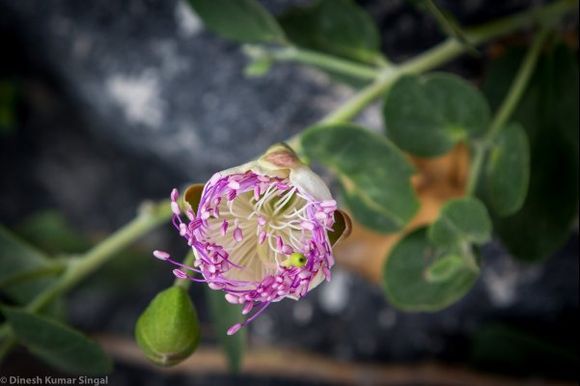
x: 260, y: 232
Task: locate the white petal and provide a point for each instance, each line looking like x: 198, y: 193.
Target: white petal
x: 310, y: 183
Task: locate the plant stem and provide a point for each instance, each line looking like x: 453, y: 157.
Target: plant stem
x: 506, y: 108
x: 149, y: 217
x: 327, y: 62
x: 444, y: 52
x: 185, y: 283
x: 518, y: 86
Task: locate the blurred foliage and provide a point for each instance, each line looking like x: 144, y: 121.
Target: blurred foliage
x: 224, y: 315
x: 379, y: 197
x: 244, y: 21
x: 24, y: 270
x: 57, y: 344
x: 427, y: 115
x: 414, y: 279
x: 335, y: 27
x: 507, y: 175
x: 549, y: 114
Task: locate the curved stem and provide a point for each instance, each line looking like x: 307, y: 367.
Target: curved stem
x: 518, y: 86
x: 506, y: 108
x: 150, y: 216
x: 444, y: 52
x: 327, y: 62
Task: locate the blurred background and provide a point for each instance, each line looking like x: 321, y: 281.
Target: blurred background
x: 108, y: 103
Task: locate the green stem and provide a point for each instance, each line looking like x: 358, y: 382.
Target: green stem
x: 506, y: 108
x: 327, y: 62
x: 478, y: 152
x: 518, y: 85
x: 150, y: 216
x: 444, y: 52
x: 185, y: 283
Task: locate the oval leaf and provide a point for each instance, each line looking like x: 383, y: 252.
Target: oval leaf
x: 245, y: 21
x: 405, y: 282
x: 426, y: 115
x: 57, y: 344
x: 463, y: 220
x: 337, y: 27
x: 374, y: 174
x: 508, y: 170
x: 225, y: 315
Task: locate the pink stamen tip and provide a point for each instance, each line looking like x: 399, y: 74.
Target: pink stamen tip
x: 234, y: 185
x: 235, y: 328
x: 257, y: 192
x: 161, y: 255
x: 232, y: 299
x: 238, y: 235
x: 262, y: 237
x: 174, y: 194
x: 247, y: 308
x: 286, y: 249
x: 179, y: 274
x: 307, y: 225
x: 328, y: 204
x: 261, y: 221
x: 224, y: 227
x: 279, y: 243
x: 175, y: 208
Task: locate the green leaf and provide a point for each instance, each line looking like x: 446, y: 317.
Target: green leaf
x: 57, y: 344
x: 336, y: 27
x: 405, y: 276
x: 18, y: 259
x: 508, y: 170
x: 549, y: 113
x: 374, y: 174
x: 444, y: 268
x: 244, y: 21
x: 462, y: 220
x: 225, y: 315
x: 168, y: 330
x: 426, y: 115
x: 50, y: 231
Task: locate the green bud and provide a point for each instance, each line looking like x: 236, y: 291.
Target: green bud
x: 168, y: 330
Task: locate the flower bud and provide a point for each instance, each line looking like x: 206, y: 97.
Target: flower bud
x: 168, y: 330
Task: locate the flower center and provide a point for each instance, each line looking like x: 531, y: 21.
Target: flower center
x: 260, y: 229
